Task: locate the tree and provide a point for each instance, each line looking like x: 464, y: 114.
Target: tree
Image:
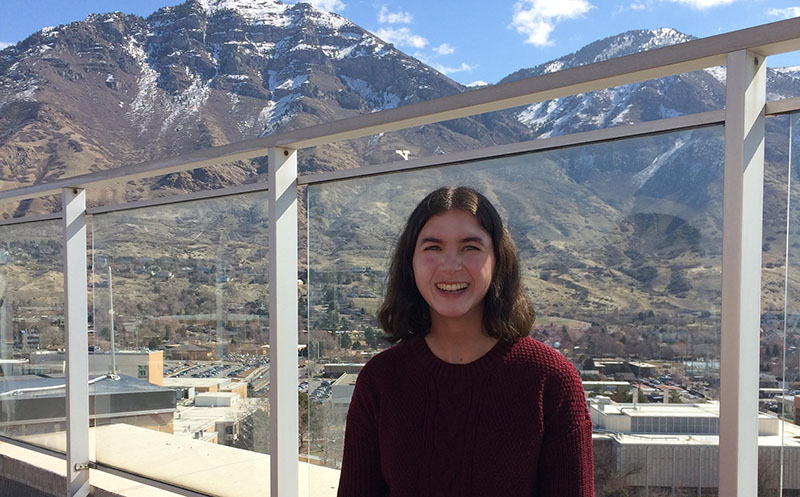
x: 346, y: 341
x: 370, y: 337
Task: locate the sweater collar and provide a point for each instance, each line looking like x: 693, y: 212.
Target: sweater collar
x: 483, y: 365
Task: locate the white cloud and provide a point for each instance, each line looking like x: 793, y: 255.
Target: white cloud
x: 386, y: 17
x: 703, y: 4
x: 329, y: 5
x: 449, y: 70
x: 402, y: 37
x: 786, y: 13
x: 444, y: 49
x: 4, y: 44
x: 536, y: 19
x: 638, y: 6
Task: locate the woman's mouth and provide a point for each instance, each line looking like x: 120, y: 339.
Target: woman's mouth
x: 452, y: 287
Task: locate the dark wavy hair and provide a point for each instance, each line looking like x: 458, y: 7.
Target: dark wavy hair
x: 507, y: 314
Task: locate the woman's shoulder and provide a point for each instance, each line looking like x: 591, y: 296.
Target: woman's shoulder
x: 388, y: 360
x: 531, y: 353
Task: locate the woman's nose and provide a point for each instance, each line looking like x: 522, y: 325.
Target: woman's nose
x: 452, y: 260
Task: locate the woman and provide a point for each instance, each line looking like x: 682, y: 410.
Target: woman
x: 465, y: 403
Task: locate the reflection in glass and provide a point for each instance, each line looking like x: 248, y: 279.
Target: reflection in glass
x: 181, y: 326
x: 620, y: 245
x: 32, y: 389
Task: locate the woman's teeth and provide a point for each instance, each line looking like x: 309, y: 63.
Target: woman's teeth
x: 451, y: 287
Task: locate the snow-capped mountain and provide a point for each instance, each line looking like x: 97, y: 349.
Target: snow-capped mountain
x: 678, y: 95
x: 118, y: 89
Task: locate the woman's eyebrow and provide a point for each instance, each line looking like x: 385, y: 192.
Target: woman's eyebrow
x: 429, y: 239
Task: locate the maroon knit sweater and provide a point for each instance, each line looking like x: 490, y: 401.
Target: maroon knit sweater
x: 512, y: 423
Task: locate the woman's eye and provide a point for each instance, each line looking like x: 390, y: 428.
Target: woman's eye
x: 471, y: 247
x: 431, y: 247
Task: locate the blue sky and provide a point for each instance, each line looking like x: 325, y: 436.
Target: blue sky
x: 469, y: 40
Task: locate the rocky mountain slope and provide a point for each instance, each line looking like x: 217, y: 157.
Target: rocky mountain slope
x: 117, y: 89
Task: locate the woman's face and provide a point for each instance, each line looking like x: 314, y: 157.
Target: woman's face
x: 453, y: 265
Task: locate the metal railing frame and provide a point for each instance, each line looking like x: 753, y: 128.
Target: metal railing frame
x: 743, y: 52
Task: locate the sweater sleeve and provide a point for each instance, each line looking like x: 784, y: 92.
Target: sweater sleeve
x: 566, y: 467
x: 361, y: 468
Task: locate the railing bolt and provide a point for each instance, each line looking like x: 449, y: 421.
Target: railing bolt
x: 84, y: 466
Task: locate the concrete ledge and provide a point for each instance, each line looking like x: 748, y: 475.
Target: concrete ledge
x: 143, y: 457
x: 30, y: 473
x: 37, y: 473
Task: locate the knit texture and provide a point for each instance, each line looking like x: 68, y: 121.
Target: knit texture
x: 512, y: 423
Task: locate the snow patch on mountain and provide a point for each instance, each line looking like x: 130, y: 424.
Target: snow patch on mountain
x: 792, y: 72
x: 144, y: 102
x: 330, y: 20
x: 269, y: 12
x: 376, y: 100
x: 293, y: 84
x: 719, y: 73
x: 630, y: 42
x: 151, y: 103
x: 643, y: 176
x: 275, y: 114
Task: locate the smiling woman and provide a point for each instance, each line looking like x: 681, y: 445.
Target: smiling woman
x: 465, y: 403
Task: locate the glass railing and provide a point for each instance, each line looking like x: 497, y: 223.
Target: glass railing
x: 32, y: 388
x: 180, y: 306
x: 779, y: 379
x: 620, y: 250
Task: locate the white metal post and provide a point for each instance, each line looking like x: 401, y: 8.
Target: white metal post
x: 741, y: 273
x: 284, y: 426
x: 76, y: 323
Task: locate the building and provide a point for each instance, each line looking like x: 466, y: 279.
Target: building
x: 642, y: 369
x: 208, y: 385
x: 191, y: 352
x: 342, y: 391
x: 145, y: 365
x: 675, y: 447
x: 335, y: 370
x: 36, y: 404
x: 604, y: 386
x: 216, y: 417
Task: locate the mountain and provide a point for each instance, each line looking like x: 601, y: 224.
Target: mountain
x: 118, y: 89
x: 681, y: 165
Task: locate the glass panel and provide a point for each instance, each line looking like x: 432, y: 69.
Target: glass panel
x: 32, y: 386
x: 181, y: 318
x: 620, y: 250
x: 780, y: 337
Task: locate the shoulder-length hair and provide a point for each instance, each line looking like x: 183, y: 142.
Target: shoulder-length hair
x: 507, y: 314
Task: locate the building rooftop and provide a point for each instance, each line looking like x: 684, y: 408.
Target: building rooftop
x: 196, y: 382
x: 710, y: 409
x: 346, y: 379
x: 31, y: 386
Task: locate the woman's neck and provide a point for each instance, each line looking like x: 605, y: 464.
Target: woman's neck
x: 458, y: 342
